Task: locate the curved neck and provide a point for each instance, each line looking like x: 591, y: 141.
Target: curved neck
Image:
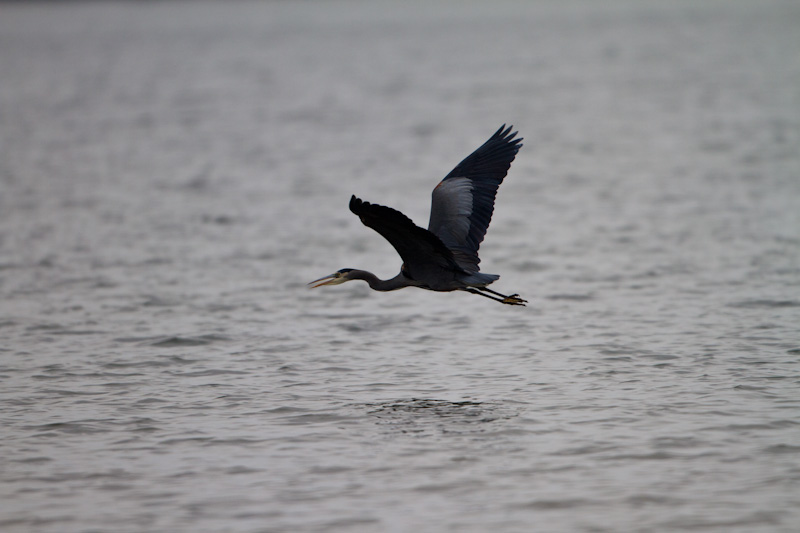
x: 377, y: 284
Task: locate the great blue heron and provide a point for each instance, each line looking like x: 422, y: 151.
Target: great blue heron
x: 443, y: 257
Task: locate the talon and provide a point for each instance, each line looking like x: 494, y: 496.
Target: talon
x: 514, y: 299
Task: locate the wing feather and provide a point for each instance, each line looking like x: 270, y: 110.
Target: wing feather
x: 463, y: 202
x: 423, y: 253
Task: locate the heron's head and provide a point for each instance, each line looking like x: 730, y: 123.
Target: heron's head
x: 340, y: 276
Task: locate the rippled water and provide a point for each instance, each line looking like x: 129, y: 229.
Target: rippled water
x: 172, y: 174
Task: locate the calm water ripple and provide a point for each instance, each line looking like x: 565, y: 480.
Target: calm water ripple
x: 171, y: 177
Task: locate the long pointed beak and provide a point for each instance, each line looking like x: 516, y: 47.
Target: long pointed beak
x: 325, y: 280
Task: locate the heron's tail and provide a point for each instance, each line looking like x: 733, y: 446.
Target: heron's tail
x: 479, y: 279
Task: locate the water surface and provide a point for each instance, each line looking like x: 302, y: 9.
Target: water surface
x: 171, y: 176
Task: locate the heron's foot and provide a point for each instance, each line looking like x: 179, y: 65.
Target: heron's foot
x: 514, y: 299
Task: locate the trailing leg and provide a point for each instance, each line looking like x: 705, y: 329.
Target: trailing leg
x: 514, y: 299
x: 513, y: 296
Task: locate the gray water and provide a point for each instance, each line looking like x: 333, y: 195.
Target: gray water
x: 172, y: 174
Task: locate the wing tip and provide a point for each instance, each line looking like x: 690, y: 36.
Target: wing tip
x: 504, y: 133
x: 355, y: 203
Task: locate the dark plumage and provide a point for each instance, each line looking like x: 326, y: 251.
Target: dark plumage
x: 444, y: 257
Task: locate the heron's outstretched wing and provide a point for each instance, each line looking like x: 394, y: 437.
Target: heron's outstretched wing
x: 463, y: 201
x: 423, y: 253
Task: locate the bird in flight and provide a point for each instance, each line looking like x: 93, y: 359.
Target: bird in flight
x: 444, y: 257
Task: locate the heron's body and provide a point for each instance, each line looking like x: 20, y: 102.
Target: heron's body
x: 443, y: 257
